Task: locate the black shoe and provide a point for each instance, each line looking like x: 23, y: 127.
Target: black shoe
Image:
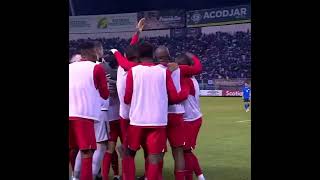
x: 141, y: 178
x: 98, y: 178
x: 116, y: 178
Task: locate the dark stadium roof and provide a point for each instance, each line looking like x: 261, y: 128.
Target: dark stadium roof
x: 94, y: 7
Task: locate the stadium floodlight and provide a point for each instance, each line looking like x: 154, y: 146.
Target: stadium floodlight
x: 71, y: 8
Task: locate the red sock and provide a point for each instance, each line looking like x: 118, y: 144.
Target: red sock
x: 131, y: 171
x: 86, y: 169
x: 196, y: 166
x: 153, y: 171
x: 188, y: 165
x: 160, y: 170
x: 179, y: 174
x: 106, y: 165
x: 72, y: 157
x: 146, y: 164
x: 115, y: 164
x: 124, y: 168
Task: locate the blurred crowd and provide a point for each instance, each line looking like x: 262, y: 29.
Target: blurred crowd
x: 223, y: 55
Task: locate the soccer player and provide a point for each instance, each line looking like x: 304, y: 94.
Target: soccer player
x: 246, y: 93
x: 149, y: 89
x: 86, y: 79
x: 175, y: 132
x: 119, y: 110
x: 193, y: 120
x: 111, y: 156
x: 100, y: 127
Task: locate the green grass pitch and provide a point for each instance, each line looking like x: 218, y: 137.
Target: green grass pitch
x: 224, y: 144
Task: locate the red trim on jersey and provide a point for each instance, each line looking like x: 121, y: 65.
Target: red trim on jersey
x: 100, y: 81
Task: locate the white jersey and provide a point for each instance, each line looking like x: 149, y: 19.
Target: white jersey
x: 121, y: 87
x: 84, y: 98
x: 176, y: 108
x: 113, y: 112
x: 192, y: 104
x: 149, y: 103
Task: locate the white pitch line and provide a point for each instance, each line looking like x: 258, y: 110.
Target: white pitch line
x: 243, y: 121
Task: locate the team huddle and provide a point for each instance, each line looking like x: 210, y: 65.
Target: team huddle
x: 143, y: 97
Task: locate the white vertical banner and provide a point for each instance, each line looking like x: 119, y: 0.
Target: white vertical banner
x: 103, y: 23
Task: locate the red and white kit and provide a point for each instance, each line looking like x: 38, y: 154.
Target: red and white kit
x: 175, y: 127
x: 87, y: 89
x: 149, y: 89
x: 192, y: 116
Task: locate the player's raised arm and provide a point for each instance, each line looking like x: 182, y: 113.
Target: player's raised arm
x: 129, y: 88
x: 139, y: 27
x: 122, y: 61
x: 194, y: 69
x: 100, y: 81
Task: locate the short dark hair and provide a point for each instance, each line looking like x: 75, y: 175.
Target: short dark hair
x: 183, y: 59
x: 97, y: 44
x: 145, y: 50
x: 132, y: 52
x: 86, y: 45
x: 111, y: 59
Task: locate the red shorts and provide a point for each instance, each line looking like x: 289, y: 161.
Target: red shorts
x: 115, y: 131
x: 124, y: 124
x: 81, y: 134
x: 175, y: 130
x: 153, y: 139
x: 192, y: 127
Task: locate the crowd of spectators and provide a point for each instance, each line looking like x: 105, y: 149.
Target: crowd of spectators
x: 223, y: 55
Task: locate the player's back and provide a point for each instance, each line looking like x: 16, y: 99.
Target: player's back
x: 192, y: 104
x: 175, y: 75
x: 149, y: 105
x: 84, y: 98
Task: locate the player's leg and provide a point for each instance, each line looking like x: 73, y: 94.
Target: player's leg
x: 176, y: 139
x: 98, y: 157
x: 135, y: 135
x: 106, y: 163
x: 195, y: 162
x: 101, y: 134
x: 77, y: 167
x: 73, y: 147
x: 187, y: 152
x: 115, y: 165
x: 146, y: 162
x: 124, y: 124
x: 85, y: 138
x: 246, y: 105
x: 155, y: 143
x: 115, y: 159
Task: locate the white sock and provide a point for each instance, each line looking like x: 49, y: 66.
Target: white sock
x: 97, y: 158
x: 77, y: 166
x: 201, y: 177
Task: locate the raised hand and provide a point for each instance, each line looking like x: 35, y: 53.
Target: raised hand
x: 141, y: 24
